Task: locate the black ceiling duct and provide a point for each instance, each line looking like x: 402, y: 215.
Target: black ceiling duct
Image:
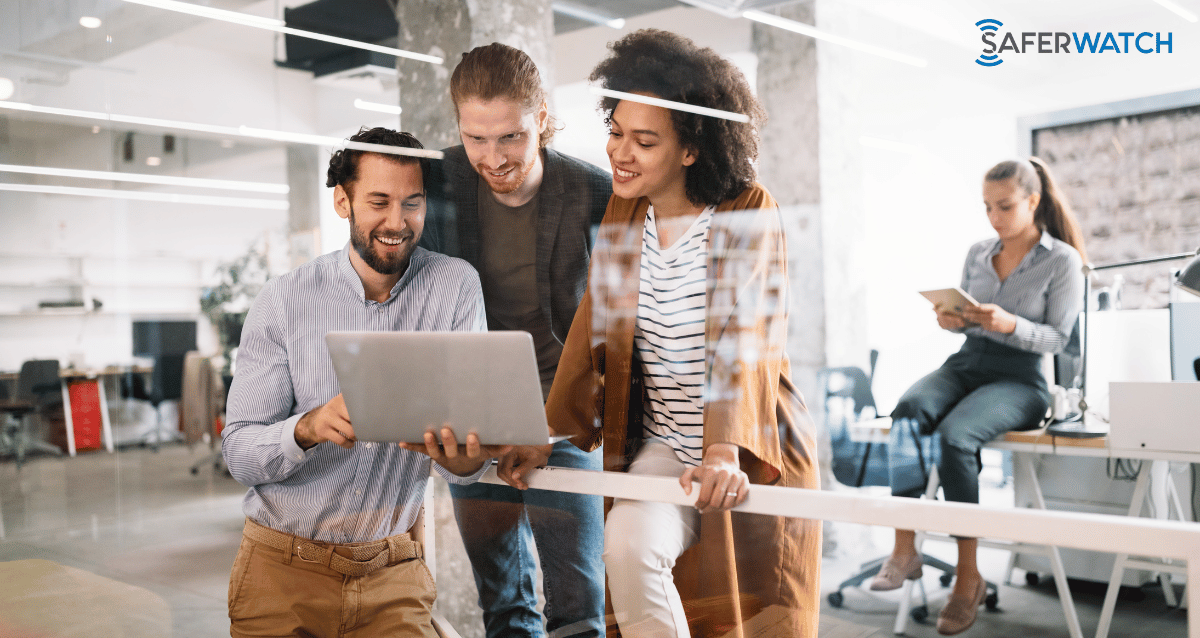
x: 372, y: 21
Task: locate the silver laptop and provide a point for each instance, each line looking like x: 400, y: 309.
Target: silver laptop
x: 398, y: 384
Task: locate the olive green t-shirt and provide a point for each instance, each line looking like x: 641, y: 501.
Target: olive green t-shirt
x: 508, y: 272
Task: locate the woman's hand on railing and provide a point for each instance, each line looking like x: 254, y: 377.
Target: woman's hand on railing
x: 723, y: 484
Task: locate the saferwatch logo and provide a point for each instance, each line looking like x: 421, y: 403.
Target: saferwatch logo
x: 997, y: 42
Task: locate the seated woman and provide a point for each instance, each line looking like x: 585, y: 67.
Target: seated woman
x: 1029, y: 282
x: 676, y: 358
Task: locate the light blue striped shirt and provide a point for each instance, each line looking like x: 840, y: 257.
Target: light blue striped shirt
x: 1045, y: 292
x: 329, y: 493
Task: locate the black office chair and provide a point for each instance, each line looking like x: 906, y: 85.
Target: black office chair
x: 852, y: 459
x: 38, y: 388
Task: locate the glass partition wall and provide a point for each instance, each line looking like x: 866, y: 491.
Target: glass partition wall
x: 159, y: 164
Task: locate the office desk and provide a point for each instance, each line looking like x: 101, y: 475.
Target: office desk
x: 1025, y: 445
x: 67, y: 376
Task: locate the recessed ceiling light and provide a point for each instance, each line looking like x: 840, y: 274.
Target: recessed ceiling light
x: 89, y: 22
x: 153, y: 161
x: 7, y: 88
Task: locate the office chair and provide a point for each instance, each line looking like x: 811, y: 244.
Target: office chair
x: 203, y: 403
x: 166, y: 384
x: 870, y: 568
x: 851, y: 383
x: 37, y: 386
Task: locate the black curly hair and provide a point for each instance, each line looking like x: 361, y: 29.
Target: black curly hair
x: 672, y: 67
x: 343, y: 164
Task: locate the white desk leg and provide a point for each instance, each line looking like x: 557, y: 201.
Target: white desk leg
x: 105, y: 422
x: 66, y: 392
x: 1056, y: 564
x: 1118, y: 573
x: 1193, y: 594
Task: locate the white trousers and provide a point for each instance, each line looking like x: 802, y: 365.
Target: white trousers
x: 642, y: 541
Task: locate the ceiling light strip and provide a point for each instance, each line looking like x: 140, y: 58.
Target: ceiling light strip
x: 141, y: 178
x: 322, y: 140
x: 202, y: 11
x: 1178, y: 10
x: 376, y: 106
x: 278, y: 26
x: 813, y: 32
x: 669, y: 104
x: 237, y: 131
x: 172, y: 198
x: 587, y: 15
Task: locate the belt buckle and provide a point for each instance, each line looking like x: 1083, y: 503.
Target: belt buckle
x: 312, y: 553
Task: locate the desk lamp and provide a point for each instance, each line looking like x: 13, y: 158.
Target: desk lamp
x: 1188, y: 279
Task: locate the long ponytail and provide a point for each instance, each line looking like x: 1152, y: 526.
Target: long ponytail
x: 1053, y: 213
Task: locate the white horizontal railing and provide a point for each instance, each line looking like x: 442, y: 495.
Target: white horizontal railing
x: 1098, y: 532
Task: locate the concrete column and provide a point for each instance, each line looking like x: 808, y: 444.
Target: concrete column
x: 789, y: 166
x: 449, y: 28
x: 305, y: 182
x: 434, y: 27
x: 809, y: 162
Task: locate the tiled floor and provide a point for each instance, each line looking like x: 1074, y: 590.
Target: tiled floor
x: 141, y: 518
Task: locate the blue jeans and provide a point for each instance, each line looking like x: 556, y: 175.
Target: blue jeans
x: 500, y: 527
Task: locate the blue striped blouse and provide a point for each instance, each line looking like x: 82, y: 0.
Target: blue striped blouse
x: 1045, y: 292
x: 328, y: 493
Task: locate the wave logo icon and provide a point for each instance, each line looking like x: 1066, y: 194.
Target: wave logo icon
x: 989, y: 26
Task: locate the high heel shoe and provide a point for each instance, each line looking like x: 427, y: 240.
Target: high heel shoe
x: 958, y: 615
x: 893, y: 573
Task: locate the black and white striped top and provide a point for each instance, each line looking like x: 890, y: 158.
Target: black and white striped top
x: 669, y: 336
x: 328, y: 493
x: 1045, y: 292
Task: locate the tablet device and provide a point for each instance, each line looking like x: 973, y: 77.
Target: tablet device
x: 950, y: 299
x: 399, y: 384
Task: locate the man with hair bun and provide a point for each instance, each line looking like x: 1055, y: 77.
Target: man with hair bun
x: 332, y: 542
x: 523, y: 215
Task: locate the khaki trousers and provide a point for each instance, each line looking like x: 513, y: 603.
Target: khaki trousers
x: 273, y: 594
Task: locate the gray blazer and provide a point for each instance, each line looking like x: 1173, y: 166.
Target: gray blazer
x: 571, y: 202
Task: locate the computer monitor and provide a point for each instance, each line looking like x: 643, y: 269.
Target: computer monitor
x: 157, y: 338
x: 1185, y: 341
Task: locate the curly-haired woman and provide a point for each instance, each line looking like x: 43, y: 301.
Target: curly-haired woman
x: 676, y: 358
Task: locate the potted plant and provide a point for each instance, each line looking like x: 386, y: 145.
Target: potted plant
x: 227, y: 303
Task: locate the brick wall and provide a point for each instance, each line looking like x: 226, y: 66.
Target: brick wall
x: 1134, y: 183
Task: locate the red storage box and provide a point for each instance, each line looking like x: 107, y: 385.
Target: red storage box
x: 85, y: 413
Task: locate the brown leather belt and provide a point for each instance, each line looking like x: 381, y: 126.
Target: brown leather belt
x: 363, y: 558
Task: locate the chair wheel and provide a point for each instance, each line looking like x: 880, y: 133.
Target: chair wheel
x: 836, y: 599
x: 919, y: 614
x: 992, y: 601
x: 945, y: 579
x: 195, y: 471
x: 1031, y: 579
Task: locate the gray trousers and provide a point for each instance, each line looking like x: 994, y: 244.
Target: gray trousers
x: 980, y: 392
